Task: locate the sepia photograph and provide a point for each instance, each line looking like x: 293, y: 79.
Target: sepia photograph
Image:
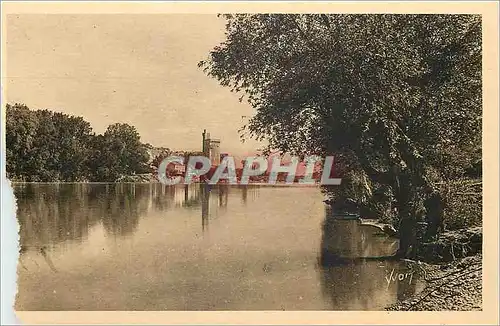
x: 246, y: 161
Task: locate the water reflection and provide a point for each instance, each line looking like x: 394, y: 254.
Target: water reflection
x: 195, y: 247
x: 53, y: 213
x: 357, y: 272
x: 50, y: 214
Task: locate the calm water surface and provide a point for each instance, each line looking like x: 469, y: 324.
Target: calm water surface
x: 152, y: 247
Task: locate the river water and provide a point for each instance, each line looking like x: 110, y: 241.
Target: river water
x: 153, y: 247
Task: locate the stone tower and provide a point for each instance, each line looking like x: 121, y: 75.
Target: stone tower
x: 211, y: 148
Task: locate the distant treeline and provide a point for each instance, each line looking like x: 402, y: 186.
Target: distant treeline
x: 46, y: 146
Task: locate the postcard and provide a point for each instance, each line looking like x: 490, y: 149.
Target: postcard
x: 250, y: 162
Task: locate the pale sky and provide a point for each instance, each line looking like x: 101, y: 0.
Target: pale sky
x: 136, y: 69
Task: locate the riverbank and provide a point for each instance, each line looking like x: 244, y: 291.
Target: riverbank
x: 452, y: 270
x: 453, y: 286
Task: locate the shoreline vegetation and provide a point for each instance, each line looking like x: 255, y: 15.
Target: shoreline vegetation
x: 401, y: 112
x: 454, y: 286
x: 117, y: 162
x: 47, y: 146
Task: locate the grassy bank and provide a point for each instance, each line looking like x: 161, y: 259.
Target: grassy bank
x: 452, y: 270
x: 451, y: 286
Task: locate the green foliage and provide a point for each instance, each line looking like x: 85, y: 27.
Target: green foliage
x: 125, y: 153
x: 44, y: 146
x: 463, y: 204
x: 395, y: 98
x: 20, y: 134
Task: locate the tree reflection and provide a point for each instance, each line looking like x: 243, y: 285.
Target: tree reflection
x: 244, y: 194
x: 53, y: 213
x: 353, y: 271
x: 193, y: 196
x: 49, y: 214
x: 123, y: 209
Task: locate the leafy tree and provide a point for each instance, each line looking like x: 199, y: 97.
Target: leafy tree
x: 43, y: 146
x: 19, y: 137
x: 46, y: 146
x: 43, y: 158
x: 119, y: 152
x: 100, y: 161
x: 395, y: 98
x: 72, y: 147
x: 157, y: 159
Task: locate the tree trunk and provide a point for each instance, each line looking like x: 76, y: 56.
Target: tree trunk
x: 407, y: 233
x: 408, y: 216
x: 434, y: 215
